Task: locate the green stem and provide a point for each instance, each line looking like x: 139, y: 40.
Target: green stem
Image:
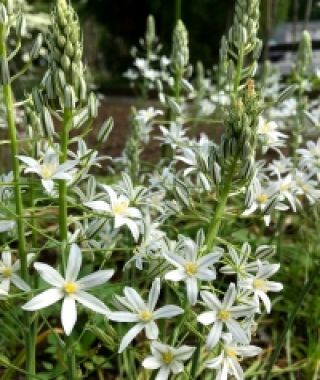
x: 215, y: 222
x: 9, y: 105
x: 63, y: 226
x: 196, y: 360
x: 305, y: 290
x: 178, y: 7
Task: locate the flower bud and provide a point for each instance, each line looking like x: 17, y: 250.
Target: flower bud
x: 35, y: 50
x: 3, y: 15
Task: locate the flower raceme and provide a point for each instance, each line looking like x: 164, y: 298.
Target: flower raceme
x: 70, y: 289
x: 142, y: 313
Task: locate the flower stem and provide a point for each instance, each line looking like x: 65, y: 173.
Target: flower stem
x: 63, y: 225
x: 215, y: 222
x: 10, y: 115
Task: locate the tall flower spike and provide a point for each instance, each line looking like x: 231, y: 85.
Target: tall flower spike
x: 65, y: 54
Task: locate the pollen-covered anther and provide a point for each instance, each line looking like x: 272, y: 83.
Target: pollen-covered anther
x: 145, y: 315
x: 191, y: 268
x: 224, y: 315
x: 70, y: 287
x: 167, y: 357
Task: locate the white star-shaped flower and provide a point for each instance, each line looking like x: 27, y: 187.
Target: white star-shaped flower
x: 167, y: 359
x: 119, y: 208
x: 191, y: 268
x: 259, y: 284
x: 8, y: 272
x: 49, y: 169
x: 69, y: 289
x: 142, y: 313
x: 227, y: 363
x: 224, y: 314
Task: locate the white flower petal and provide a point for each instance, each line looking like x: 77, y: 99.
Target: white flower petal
x: 95, y: 279
x: 176, y: 367
x: 208, y: 260
x: 192, y: 290
x: 176, y: 275
x: 152, y: 330
x: 68, y: 314
x: 98, y: 206
x: 167, y: 311
x: 49, y: 274
x: 151, y: 363
x: 229, y: 296
x: 74, y: 263
x: 154, y: 294
x: 214, y: 335
x: 7, y: 259
x: 91, y: 302
x: 123, y: 316
x: 265, y: 299
x: 133, y: 227
x: 48, y: 184
x: 184, y: 353
x: 135, y: 299
x: 211, y: 300
x: 163, y: 373
x: 205, y: 274
x: 207, y: 318
x: 129, y: 336
x: 44, y: 299
x: 19, y: 282
x: 237, y: 331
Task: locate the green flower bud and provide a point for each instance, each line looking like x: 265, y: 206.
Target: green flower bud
x: 3, y: 15
x: 35, y: 50
x: 180, y: 48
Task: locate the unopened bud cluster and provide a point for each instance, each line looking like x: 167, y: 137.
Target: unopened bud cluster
x: 240, y: 41
x: 66, y: 71
x: 180, y: 48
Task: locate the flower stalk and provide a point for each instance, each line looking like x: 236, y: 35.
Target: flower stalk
x: 10, y: 115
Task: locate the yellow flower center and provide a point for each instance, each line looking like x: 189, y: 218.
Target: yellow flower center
x: 47, y: 170
x: 262, y: 198
x: 70, y: 287
x: 260, y: 284
x: 6, y: 272
x: 145, y: 315
x: 167, y: 357
x: 265, y: 128
x: 224, y: 315
x: 231, y: 353
x: 191, y: 268
x: 120, y: 207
